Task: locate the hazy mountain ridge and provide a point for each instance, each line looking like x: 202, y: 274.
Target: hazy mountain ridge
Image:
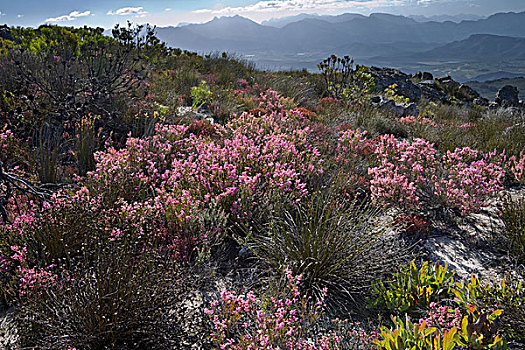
x: 321, y: 33
x: 444, y: 18
x: 484, y: 46
x: 376, y: 39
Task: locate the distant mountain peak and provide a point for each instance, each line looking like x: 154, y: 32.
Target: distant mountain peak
x: 234, y: 18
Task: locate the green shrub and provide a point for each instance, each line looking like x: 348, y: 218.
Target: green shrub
x: 415, y: 336
x: 477, y: 332
x: 200, y: 95
x: 412, y: 289
x: 474, y: 295
x: 343, y: 81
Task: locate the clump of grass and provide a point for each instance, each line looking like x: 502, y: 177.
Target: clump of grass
x: 333, y: 244
x: 513, y: 216
x: 87, y: 143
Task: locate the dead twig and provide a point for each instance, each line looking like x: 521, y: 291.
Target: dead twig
x: 15, y: 182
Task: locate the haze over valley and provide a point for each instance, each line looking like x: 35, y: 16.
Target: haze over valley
x: 465, y: 48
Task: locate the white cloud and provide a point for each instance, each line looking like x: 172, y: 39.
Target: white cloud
x: 71, y: 17
x: 167, y: 9
x: 19, y: 16
x: 300, y: 6
x: 128, y: 11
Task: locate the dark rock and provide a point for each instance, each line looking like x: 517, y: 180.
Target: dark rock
x: 411, y: 109
x: 432, y: 94
x: 426, y: 83
x: 468, y: 91
x: 444, y: 78
x: 384, y: 77
x: 508, y: 96
x: 427, y: 76
x: 424, y: 76
x: 449, y: 83
x: 390, y: 106
x: 468, y: 94
x: 376, y: 99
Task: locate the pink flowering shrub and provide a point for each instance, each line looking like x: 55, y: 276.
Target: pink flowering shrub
x: 6, y: 137
x: 466, y: 126
x: 518, y: 168
x: 170, y: 178
x: 248, y: 322
x: 419, y: 120
x: 352, y: 141
x: 404, y: 168
x: 409, y: 172
x: 470, y: 178
x: 27, y: 281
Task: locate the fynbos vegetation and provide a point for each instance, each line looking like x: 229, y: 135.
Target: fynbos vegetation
x: 154, y: 198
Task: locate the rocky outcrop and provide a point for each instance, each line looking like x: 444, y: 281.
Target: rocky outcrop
x: 398, y: 109
x: 447, y: 90
x: 431, y: 93
x: 423, y: 84
x: 384, y: 77
x: 187, y: 112
x: 508, y: 96
x: 424, y: 76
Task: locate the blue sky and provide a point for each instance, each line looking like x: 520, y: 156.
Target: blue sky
x: 107, y: 13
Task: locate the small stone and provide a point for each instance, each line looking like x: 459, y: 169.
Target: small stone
x: 245, y: 253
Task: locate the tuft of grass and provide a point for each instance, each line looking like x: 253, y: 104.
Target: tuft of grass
x: 48, y: 151
x: 513, y: 216
x: 333, y: 244
x: 87, y: 143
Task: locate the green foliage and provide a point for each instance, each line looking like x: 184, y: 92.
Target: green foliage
x: 477, y: 333
x: 414, y: 336
x: 412, y: 289
x: 478, y: 330
x: 391, y: 92
x: 469, y: 293
x: 474, y: 295
x: 343, y: 80
x: 200, y: 95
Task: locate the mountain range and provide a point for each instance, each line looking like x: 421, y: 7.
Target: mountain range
x: 369, y: 39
